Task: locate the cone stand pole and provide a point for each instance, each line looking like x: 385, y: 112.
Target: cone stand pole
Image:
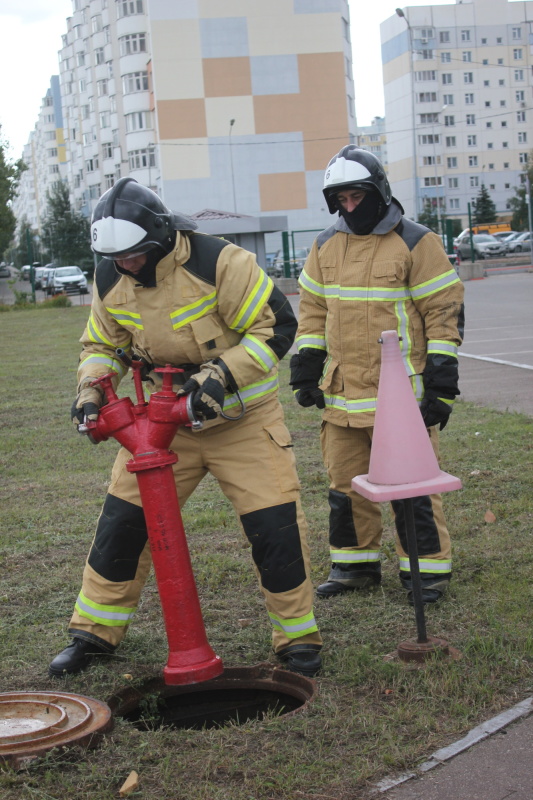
x: 402, y: 466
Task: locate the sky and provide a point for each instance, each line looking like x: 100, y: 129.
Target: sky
x: 31, y: 37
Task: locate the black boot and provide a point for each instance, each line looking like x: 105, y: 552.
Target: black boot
x: 347, y: 577
x: 433, y: 586
x: 301, y: 658
x: 75, y: 658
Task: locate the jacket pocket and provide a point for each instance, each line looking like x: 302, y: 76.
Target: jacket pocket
x: 283, y: 458
x: 209, y: 336
x: 391, y: 271
x: 332, y: 382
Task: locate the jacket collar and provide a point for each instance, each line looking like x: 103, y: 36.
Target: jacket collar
x: 385, y: 225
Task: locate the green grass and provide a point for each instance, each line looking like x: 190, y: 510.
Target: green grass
x: 372, y: 715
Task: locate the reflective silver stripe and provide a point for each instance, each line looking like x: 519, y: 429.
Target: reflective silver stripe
x: 354, y: 556
x: 126, y: 318
x: 310, y: 285
x: 261, y: 352
x: 350, y: 406
x: 111, y: 364
x: 95, y: 335
x: 319, y: 342
x: 252, y: 392
x: 418, y: 386
x: 442, y: 347
x: 427, y: 565
x: 253, y: 303
x: 435, y: 285
x: 404, y: 336
x: 294, y: 628
x: 193, y: 311
x: 371, y: 293
x: 105, y: 615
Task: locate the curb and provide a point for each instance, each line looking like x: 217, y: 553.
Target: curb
x: 476, y: 735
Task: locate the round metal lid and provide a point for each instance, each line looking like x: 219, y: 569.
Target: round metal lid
x: 33, y: 722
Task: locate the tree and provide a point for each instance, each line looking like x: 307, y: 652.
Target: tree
x: 65, y: 232
x: 9, y: 178
x: 518, y: 204
x: 429, y: 216
x: 483, y: 209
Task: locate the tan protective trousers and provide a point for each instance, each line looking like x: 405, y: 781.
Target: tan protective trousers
x: 356, y: 526
x: 253, y: 462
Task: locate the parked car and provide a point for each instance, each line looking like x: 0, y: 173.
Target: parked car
x: 25, y: 272
x: 521, y: 243
x: 45, y: 277
x: 38, y: 277
x: 503, y: 236
x: 297, y: 261
x: 67, y: 279
x: 5, y: 272
x: 484, y: 244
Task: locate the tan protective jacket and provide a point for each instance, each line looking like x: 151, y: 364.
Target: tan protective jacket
x: 353, y: 288
x: 210, y: 299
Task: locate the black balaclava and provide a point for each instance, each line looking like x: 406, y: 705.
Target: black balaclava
x: 146, y: 275
x: 363, y: 219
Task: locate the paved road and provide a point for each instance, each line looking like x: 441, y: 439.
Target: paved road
x: 496, y: 359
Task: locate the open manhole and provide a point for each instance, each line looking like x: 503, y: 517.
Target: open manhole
x: 31, y: 723
x: 238, y: 695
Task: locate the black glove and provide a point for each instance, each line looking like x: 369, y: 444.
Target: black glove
x: 207, y: 387
x: 306, y: 372
x: 87, y: 404
x: 441, y: 377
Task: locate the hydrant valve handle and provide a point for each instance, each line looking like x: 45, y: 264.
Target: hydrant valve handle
x: 106, y: 383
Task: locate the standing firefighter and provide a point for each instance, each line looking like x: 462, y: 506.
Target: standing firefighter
x: 375, y: 270
x: 172, y: 296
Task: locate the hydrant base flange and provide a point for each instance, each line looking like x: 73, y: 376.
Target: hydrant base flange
x: 412, y: 650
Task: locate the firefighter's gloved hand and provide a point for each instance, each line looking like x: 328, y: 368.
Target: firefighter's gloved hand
x: 207, y: 388
x: 306, y: 373
x: 87, y: 404
x: 435, y: 410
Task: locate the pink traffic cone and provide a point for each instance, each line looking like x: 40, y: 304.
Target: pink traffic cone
x: 402, y: 461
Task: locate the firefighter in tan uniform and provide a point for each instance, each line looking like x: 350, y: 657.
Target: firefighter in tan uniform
x: 375, y: 270
x: 169, y: 295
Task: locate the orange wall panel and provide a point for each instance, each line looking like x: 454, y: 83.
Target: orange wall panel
x: 181, y: 119
x: 227, y: 77
x: 282, y: 190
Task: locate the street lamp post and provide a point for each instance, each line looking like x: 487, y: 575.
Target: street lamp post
x: 231, y: 124
x: 401, y: 14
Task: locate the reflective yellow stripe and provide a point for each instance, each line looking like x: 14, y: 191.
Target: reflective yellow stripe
x: 193, y: 311
x: 253, y: 303
x: 95, y: 334
x: 294, y: 628
x: 126, y: 318
x: 115, y: 616
x: 428, y: 565
x: 260, y: 352
x: 252, y: 392
x: 106, y: 361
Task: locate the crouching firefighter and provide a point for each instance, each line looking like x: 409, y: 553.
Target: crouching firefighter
x: 171, y: 295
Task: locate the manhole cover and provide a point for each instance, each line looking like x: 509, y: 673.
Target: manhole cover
x: 240, y: 694
x: 33, y: 722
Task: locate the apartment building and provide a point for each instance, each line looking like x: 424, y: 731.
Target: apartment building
x: 373, y: 137
x: 45, y: 156
x: 458, y: 85
x: 236, y: 106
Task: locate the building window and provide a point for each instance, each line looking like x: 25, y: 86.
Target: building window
x: 94, y: 191
x: 96, y: 24
x: 500, y: 62
x: 472, y: 140
x: 506, y: 166
x: 80, y: 59
x: 126, y: 8
x: 490, y: 145
x: 446, y: 58
x: 105, y: 119
x: 99, y: 55
x: 426, y: 75
x: 504, y: 123
x: 141, y: 159
x: 469, y: 99
x: 491, y: 166
x: 486, y: 83
x: 447, y: 78
x: 474, y: 180
x: 485, y: 62
x: 505, y: 145
x: 449, y: 121
x: 346, y: 29
x: 470, y: 119
x: 427, y: 97
x: 444, y: 37
x: 53, y: 169
x: 487, y: 103
x: 468, y: 77
x: 517, y: 54
x: 522, y: 157
x: 516, y: 33
x: 447, y: 99
x: 348, y: 67
x: 135, y: 82
x: 519, y: 74
x: 101, y: 87
x: 429, y: 138
x: 472, y: 161
x: 465, y: 36
x: 91, y: 164
x: 133, y: 43
x: 428, y: 119
x: 467, y: 55
x: 499, y: 40
x: 520, y: 116
x: 433, y: 181
x: 453, y: 183
x: 109, y: 65
x: 520, y: 96
x: 488, y: 125
x: 454, y: 203
x: 451, y: 162
x: 107, y: 150
x: 52, y: 153
x: 427, y: 55
x: 138, y: 121
x: 451, y: 141
x: 109, y: 181
x: 429, y: 161
x: 81, y: 85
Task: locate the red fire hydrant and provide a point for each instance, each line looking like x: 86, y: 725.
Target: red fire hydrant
x: 146, y: 430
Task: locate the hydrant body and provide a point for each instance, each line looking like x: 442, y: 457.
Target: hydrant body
x: 146, y: 430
